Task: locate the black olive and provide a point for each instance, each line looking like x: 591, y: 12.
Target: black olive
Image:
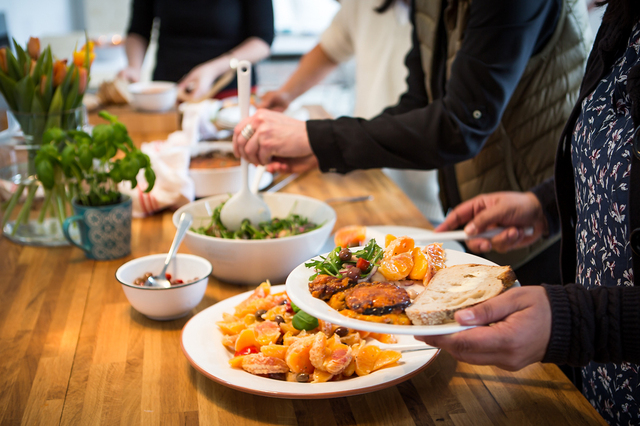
x: 342, y: 331
x: 279, y: 319
x: 259, y: 314
x: 353, y: 273
x: 302, y: 377
x: 345, y: 254
x: 278, y: 376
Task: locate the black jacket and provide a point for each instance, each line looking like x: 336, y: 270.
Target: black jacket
x: 601, y: 324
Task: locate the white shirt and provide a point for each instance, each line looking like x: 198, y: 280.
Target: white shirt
x: 379, y: 42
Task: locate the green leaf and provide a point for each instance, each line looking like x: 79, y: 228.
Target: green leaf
x: 66, y: 82
x: 45, y: 173
x: 150, y: 177
x: 15, y: 71
x: 24, y: 94
x: 72, y: 95
x: 48, y: 61
x: 54, y: 109
x: 47, y: 95
x: 304, y: 321
x: 38, y: 68
x: 23, y: 58
x: 8, y: 88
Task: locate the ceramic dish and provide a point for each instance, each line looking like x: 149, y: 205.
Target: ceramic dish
x: 298, y: 290
x: 201, y: 344
x: 222, y: 180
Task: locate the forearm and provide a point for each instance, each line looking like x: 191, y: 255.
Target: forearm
x: 313, y: 68
x: 135, y: 48
x: 601, y: 324
x: 253, y: 49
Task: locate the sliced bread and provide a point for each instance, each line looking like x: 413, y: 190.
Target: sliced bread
x: 457, y: 287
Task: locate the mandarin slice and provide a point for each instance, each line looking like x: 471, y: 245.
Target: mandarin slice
x: 366, y: 359
x: 396, y: 267
x: 350, y: 236
x: 386, y: 358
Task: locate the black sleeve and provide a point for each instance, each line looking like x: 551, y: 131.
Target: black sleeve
x: 601, y: 324
x: 258, y: 19
x: 142, y: 14
x: 500, y: 38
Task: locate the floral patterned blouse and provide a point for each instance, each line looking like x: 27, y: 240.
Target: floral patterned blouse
x: 601, y: 151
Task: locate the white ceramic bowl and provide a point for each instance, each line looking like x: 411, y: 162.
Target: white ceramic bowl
x: 254, y: 261
x: 165, y: 303
x: 153, y: 96
x: 221, y: 180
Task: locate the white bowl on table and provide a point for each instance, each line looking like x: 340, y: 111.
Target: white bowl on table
x: 221, y: 180
x: 153, y: 96
x: 165, y: 303
x: 251, y: 262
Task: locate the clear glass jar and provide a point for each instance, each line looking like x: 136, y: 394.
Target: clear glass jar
x: 30, y: 214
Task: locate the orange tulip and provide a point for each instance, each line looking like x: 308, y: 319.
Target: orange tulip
x: 3, y: 60
x: 82, y: 84
x: 59, y: 71
x: 79, y: 56
x: 33, y: 47
x: 43, y: 84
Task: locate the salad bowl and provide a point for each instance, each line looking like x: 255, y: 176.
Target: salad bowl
x: 253, y: 261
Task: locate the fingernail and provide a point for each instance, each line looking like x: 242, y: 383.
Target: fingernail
x: 466, y: 315
x: 470, y: 229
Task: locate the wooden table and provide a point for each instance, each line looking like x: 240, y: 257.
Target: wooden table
x: 73, y: 351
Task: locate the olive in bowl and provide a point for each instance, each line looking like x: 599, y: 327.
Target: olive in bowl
x: 165, y: 303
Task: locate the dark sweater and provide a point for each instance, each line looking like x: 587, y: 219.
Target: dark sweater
x: 195, y: 31
x: 602, y: 324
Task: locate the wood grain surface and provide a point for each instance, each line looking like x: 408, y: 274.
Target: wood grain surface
x: 74, y: 352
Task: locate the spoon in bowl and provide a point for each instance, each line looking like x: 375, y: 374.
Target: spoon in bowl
x: 161, y: 280
x: 244, y: 204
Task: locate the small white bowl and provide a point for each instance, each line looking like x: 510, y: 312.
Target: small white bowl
x: 165, y: 303
x: 153, y: 96
x: 221, y: 180
x: 251, y: 262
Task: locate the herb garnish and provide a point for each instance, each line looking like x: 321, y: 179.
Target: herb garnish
x: 332, y: 265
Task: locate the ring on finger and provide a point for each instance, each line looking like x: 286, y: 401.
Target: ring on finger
x: 247, y: 132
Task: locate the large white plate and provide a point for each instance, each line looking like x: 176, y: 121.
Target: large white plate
x: 298, y: 290
x: 379, y: 232
x: 201, y: 344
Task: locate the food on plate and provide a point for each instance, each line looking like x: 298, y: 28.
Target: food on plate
x: 458, y: 287
x: 215, y: 159
x: 375, y: 284
x: 174, y: 281
x: 350, y: 236
x: 269, y: 336
x: 293, y: 224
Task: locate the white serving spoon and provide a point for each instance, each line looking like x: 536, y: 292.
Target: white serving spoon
x: 462, y: 236
x: 161, y: 280
x: 244, y: 204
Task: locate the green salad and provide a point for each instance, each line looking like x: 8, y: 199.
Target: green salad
x: 293, y: 224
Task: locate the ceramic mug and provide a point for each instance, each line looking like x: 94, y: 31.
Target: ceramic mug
x: 105, y: 232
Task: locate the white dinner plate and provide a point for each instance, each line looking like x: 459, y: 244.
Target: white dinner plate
x: 202, y: 345
x: 379, y: 232
x: 298, y: 290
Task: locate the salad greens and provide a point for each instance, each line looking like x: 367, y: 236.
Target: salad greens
x: 304, y: 321
x: 293, y: 224
x: 333, y: 265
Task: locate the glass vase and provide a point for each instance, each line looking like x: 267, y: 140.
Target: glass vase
x: 31, y: 214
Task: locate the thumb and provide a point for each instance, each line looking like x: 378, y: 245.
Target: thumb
x: 491, y: 310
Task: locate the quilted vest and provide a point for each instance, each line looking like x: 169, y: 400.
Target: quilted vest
x: 520, y: 153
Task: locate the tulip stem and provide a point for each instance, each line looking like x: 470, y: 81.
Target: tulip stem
x: 12, y: 204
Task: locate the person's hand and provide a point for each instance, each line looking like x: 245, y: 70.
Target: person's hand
x: 199, y: 80
x: 276, y: 137
x: 275, y: 100
x: 292, y: 165
x: 512, y: 210
x: 517, y: 335
x: 130, y: 74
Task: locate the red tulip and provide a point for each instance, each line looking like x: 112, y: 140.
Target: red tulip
x: 82, y: 84
x: 33, y: 47
x: 3, y: 60
x: 59, y: 71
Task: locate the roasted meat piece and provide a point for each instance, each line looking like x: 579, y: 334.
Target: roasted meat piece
x: 376, y: 298
x: 325, y: 286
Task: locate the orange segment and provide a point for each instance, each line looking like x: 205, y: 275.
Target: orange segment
x: 350, y: 236
x: 297, y: 356
x: 420, y: 264
x: 366, y: 359
x: 398, y: 245
x: 320, y: 376
x: 397, y: 267
x: 245, y: 339
x: 236, y: 361
x: 276, y: 351
x: 386, y: 358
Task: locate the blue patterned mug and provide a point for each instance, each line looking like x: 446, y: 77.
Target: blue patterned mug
x: 105, y: 232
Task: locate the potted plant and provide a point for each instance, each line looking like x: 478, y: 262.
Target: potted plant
x: 93, y: 165
x: 42, y: 93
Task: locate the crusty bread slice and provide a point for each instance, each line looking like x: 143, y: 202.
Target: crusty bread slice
x: 457, y: 287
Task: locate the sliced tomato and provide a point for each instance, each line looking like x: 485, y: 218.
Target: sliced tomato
x: 362, y: 264
x: 247, y: 350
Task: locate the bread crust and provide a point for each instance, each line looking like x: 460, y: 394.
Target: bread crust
x: 458, y: 287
